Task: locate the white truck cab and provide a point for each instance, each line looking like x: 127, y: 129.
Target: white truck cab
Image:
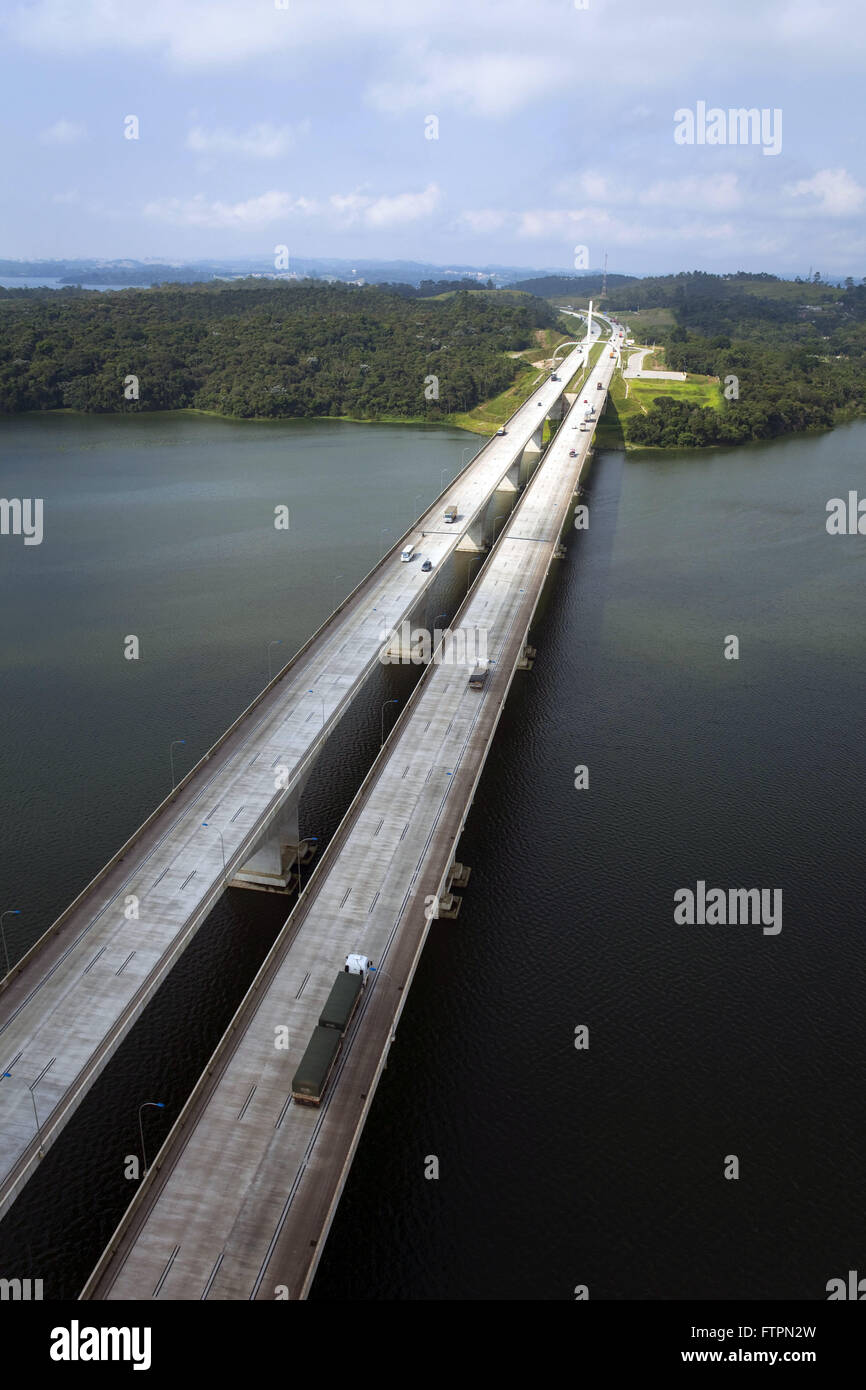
x: 357, y: 965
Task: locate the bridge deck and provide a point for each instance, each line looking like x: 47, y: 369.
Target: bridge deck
x: 240, y: 1199
x: 67, y: 1008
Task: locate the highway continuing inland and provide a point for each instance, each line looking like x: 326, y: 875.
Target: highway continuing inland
x: 240, y: 1199
x: 69, y: 1002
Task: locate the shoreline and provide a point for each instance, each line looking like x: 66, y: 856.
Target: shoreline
x: 477, y: 428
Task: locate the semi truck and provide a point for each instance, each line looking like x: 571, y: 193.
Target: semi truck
x: 310, y: 1081
x: 451, y: 511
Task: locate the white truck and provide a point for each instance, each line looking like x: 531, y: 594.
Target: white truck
x: 409, y: 550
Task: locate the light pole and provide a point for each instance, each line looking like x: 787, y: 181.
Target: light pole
x: 469, y: 569
x: 207, y: 826
x: 463, y: 456
x: 32, y: 1089
x: 10, y: 912
x: 433, y: 632
x: 312, y: 692
x: 174, y: 744
x: 307, y: 840
x: 334, y: 591
x: 276, y: 643
x: 382, y: 720
x: 159, y: 1106
x: 442, y: 473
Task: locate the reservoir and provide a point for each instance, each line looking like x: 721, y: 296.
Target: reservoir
x: 558, y: 1166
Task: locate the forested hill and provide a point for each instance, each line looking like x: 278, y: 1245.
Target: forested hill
x: 252, y: 348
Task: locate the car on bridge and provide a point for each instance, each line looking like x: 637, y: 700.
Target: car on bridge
x: 502, y: 430
x: 478, y: 679
x: 427, y: 566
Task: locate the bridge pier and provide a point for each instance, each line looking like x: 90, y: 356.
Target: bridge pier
x: 474, y: 541
x: 534, y: 448
x: 273, y: 865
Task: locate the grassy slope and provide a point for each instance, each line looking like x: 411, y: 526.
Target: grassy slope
x: 487, y: 417
x: 698, y: 390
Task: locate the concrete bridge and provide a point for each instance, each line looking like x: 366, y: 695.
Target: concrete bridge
x: 240, y: 1199
x: 66, y: 1006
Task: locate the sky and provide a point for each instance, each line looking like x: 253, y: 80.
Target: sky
x: 454, y: 131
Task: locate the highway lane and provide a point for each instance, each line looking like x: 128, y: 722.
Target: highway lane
x: 239, y: 1202
x: 71, y: 1002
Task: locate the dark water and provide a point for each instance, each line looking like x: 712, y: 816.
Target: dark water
x: 605, y: 1167
x: 558, y: 1167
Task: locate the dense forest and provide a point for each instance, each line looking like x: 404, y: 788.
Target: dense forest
x: 793, y: 355
x: 253, y: 348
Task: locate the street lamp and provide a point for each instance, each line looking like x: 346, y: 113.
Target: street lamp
x: 442, y: 473
x: 312, y: 692
x: 10, y: 912
x: 206, y: 825
x: 32, y: 1089
x: 334, y: 591
x: 469, y: 569
x: 382, y: 720
x: 276, y: 643
x: 175, y: 743
x: 159, y: 1106
x: 308, y: 839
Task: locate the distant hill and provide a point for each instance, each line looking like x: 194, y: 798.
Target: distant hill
x: 559, y: 286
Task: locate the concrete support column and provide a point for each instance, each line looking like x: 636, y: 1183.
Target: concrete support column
x: 535, y: 447
x: 474, y: 539
x: 272, y: 867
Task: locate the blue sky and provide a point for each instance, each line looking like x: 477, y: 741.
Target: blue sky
x: 305, y: 126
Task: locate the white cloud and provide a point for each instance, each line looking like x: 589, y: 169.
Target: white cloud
x: 838, y: 194
x: 63, y: 132
x: 253, y: 212
x: 387, y: 210
x: 484, y: 221
x: 718, y: 194
x: 598, y: 229
x: 262, y: 141
x: 485, y: 84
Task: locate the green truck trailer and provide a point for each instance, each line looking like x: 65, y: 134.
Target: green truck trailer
x: 319, y: 1060
x: 342, y: 1002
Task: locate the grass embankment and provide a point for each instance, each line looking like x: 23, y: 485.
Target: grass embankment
x: 489, y: 415
x: 697, y: 390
